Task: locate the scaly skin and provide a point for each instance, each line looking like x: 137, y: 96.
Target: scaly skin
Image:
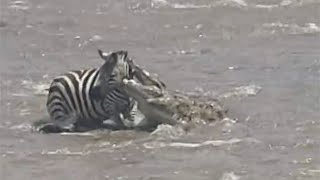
x: 162, y: 107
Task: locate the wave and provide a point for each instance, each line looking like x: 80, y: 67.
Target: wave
x: 192, y: 4
x: 277, y: 28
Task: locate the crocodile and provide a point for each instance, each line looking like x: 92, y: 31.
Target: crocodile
x: 161, y: 106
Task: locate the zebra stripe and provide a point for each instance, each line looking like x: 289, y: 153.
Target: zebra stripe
x: 70, y: 95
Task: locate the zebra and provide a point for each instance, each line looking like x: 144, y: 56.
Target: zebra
x: 88, y: 99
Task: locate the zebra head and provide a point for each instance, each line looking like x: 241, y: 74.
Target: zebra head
x: 112, y: 72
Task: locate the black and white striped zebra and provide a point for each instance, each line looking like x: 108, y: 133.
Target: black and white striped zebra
x: 82, y: 100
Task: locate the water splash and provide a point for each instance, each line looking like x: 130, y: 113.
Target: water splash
x: 19, y: 5
x: 214, y: 143
x: 189, y: 5
x: 230, y: 176
x: 242, y: 91
x: 165, y: 131
x: 22, y: 127
x: 37, y: 88
x: 277, y: 28
x: 65, y: 151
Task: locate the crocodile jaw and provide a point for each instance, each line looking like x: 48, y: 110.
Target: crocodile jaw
x: 153, y: 112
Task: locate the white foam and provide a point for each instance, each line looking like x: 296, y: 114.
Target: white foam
x: 18, y: 5
x: 65, y: 151
x: 206, y: 143
x: 233, y: 3
x: 19, y: 94
x: 215, y: 143
x: 37, y: 88
x: 242, y: 91
x: 189, y: 5
x: 228, y: 3
x: 86, y: 134
x: 230, y: 176
x: 166, y: 131
x: 23, y: 127
x: 158, y: 3
x: 275, y: 28
x: 263, y: 6
x: 286, y: 3
x: 96, y: 38
x: 25, y: 111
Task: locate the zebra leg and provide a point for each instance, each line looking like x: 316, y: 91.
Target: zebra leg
x: 53, y: 128
x: 114, y: 123
x: 125, y: 121
x: 137, y: 120
x: 84, y: 125
x: 66, y: 124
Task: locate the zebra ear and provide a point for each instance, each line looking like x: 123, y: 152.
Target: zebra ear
x: 109, y: 58
x: 102, y: 54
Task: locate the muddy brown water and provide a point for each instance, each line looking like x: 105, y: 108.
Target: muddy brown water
x: 211, y: 45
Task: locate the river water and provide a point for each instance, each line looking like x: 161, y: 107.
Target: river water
x: 207, y: 46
